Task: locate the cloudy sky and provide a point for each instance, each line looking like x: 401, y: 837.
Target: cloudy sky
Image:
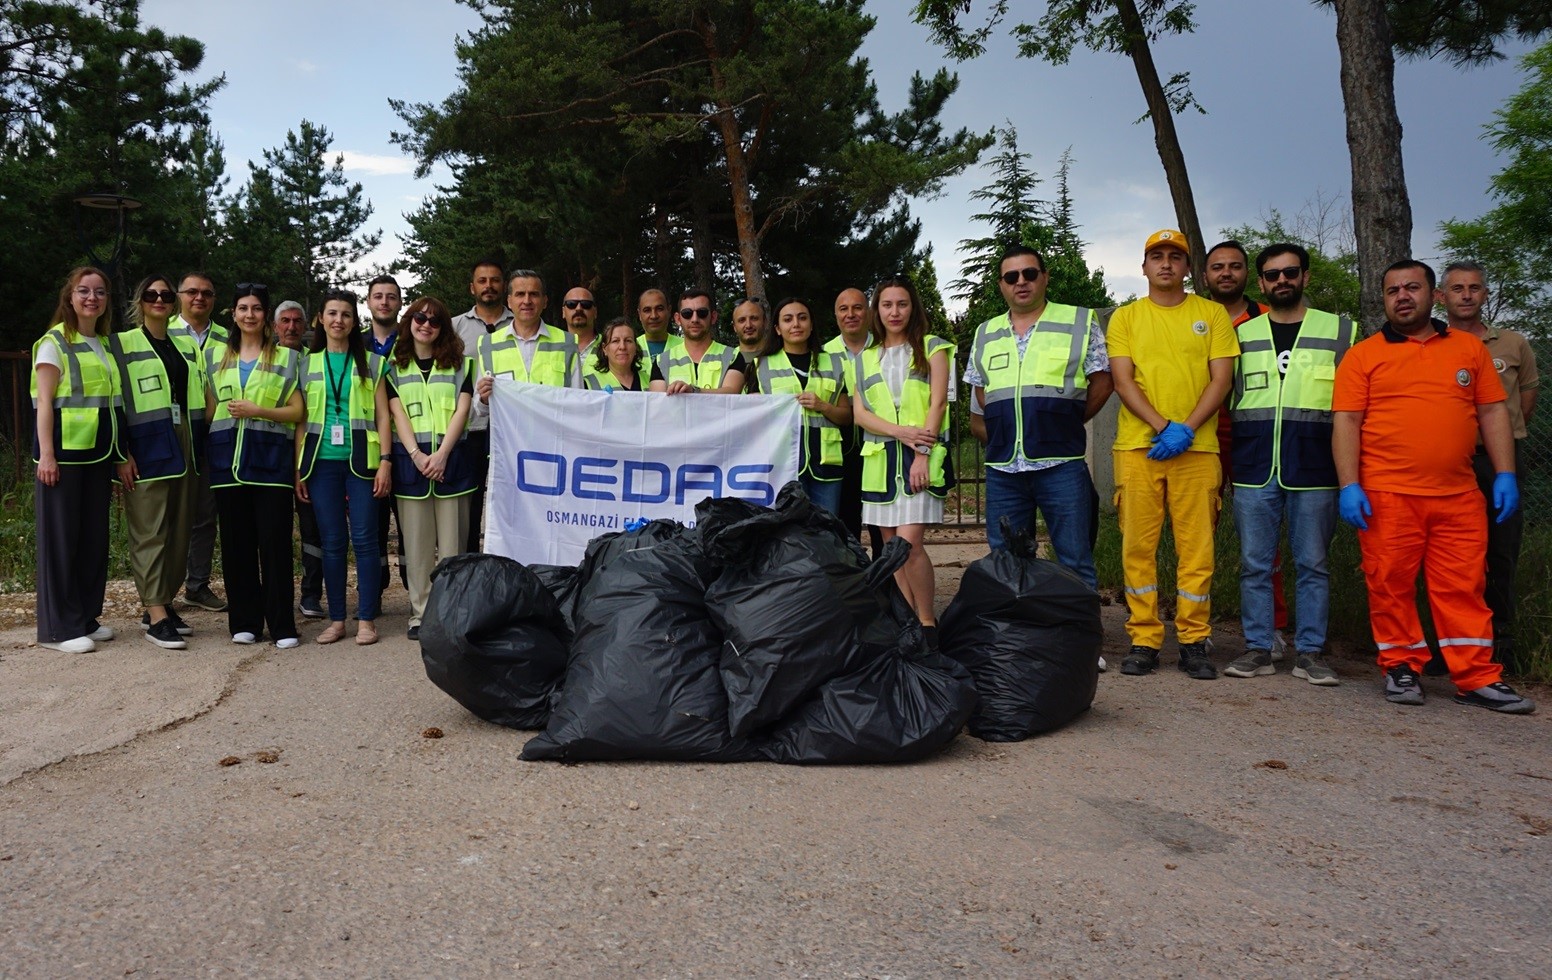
x: 1273, y: 136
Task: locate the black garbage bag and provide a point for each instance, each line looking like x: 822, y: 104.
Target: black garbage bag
x: 903, y: 704
x: 563, y: 581
x: 793, y: 599
x: 493, y: 639
x: 642, y: 682
x: 1030, y: 634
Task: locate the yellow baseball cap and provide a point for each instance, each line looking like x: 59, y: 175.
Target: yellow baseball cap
x: 1167, y: 236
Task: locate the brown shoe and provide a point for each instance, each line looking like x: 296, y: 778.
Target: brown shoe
x: 333, y: 634
x: 366, y: 634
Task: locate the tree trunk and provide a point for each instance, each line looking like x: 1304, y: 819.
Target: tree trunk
x: 1382, y: 214
x: 700, y: 245
x: 737, y: 165
x: 1165, y: 139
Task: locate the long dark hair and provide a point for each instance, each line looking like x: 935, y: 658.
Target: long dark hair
x: 813, y: 330
x: 446, y: 350
x: 260, y: 292
x: 356, y: 347
x: 915, y: 327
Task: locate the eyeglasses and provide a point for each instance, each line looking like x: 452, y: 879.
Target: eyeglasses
x: 691, y: 313
x: 422, y: 318
x: 91, y: 292
x: 1291, y: 272
x: 1030, y: 275
x: 158, y: 296
x: 572, y: 304
x: 199, y: 293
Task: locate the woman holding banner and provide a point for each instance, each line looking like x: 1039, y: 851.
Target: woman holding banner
x: 816, y: 378
x: 618, y: 365
x: 902, y: 406
x: 430, y: 391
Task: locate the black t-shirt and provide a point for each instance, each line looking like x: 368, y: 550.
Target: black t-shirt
x: 176, y: 367
x: 1283, y: 336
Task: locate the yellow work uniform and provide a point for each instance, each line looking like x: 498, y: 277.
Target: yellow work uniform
x: 1170, y: 347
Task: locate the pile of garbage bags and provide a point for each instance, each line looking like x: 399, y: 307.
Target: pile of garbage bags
x: 759, y: 634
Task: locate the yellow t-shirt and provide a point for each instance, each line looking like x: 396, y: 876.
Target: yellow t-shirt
x: 1170, y: 347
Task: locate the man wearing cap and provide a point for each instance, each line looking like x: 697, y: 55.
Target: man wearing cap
x: 1172, y: 360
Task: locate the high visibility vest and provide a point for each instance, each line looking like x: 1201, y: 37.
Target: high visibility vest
x: 86, y: 401
x: 361, y: 412
x: 149, y: 435
x: 430, y: 401
x: 553, y: 358
x: 252, y: 451
x: 1282, y: 424
x: 851, y: 435
x: 217, y: 336
x: 671, y: 342
x: 886, y: 460
x: 675, y: 364
x: 596, y: 380
x: 821, y: 455
x: 1035, y: 404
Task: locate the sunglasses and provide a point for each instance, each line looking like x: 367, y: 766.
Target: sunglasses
x: 243, y: 287
x: 422, y: 318
x: 1030, y: 275
x: 690, y: 313
x: 1291, y: 272
x: 572, y: 304
x: 158, y: 296
x: 199, y: 293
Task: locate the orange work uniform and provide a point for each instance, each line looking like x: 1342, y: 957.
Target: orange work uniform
x: 1419, y: 398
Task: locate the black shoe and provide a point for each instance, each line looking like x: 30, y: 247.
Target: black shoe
x: 1402, y: 685
x: 1194, y: 662
x: 1139, y: 661
x: 184, y: 629
x: 165, y: 635
x: 1498, y: 697
x: 414, y: 633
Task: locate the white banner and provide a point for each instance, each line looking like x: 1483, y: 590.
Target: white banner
x: 568, y: 465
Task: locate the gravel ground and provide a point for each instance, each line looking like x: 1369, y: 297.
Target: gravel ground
x: 1180, y: 828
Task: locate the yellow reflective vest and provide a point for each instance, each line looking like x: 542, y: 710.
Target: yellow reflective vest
x: 86, y: 401
x: 149, y: 434
x: 821, y: 455
x: 430, y: 401
x: 251, y: 451
x: 1035, y: 404
x: 885, y: 461
x: 361, y: 410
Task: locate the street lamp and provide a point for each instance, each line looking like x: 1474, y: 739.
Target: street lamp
x: 120, y: 205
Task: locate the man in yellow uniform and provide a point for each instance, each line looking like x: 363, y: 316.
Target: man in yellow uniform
x: 1172, y: 359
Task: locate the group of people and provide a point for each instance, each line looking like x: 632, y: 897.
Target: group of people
x: 1286, y: 409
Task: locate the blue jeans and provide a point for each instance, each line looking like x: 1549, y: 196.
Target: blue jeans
x: 1063, y: 494
x: 824, y: 493
x: 1259, y: 513
x: 337, y: 494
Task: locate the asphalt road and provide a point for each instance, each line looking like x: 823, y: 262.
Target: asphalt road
x: 1181, y: 828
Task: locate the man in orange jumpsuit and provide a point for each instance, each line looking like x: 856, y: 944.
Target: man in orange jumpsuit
x: 1409, y: 402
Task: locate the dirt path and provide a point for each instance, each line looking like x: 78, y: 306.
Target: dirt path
x: 1238, y: 827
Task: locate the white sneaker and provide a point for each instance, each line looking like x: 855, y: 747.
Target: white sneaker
x: 81, y: 644
x: 288, y: 643
x: 100, y: 634
x: 1102, y: 665
x: 244, y: 637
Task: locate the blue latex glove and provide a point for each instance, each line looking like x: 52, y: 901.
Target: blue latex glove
x: 1174, y: 440
x: 1506, y: 496
x: 1353, y: 505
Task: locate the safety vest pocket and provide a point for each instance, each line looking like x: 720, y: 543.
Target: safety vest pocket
x: 77, y: 428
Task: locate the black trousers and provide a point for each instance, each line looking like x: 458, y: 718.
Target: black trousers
x: 72, y: 550
x: 478, y: 448
x: 1503, y: 553
x: 256, y: 559
x: 312, y: 556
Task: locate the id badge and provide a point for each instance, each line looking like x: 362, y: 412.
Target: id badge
x: 336, y: 435
x: 177, y: 414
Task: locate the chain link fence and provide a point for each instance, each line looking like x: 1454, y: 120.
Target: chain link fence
x: 1536, y: 448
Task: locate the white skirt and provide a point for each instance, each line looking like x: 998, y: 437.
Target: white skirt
x: 906, y: 508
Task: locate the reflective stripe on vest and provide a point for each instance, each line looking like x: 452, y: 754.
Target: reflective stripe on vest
x: 676, y: 365
x: 361, y: 411
x: 596, y: 380
x: 1035, y: 404
x: 554, y: 356
x: 430, y: 402
x: 885, y: 460
x: 252, y: 451
x: 85, y: 426
x: 821, y: 444
x: 1282, y: 424
x: 149, y: 435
